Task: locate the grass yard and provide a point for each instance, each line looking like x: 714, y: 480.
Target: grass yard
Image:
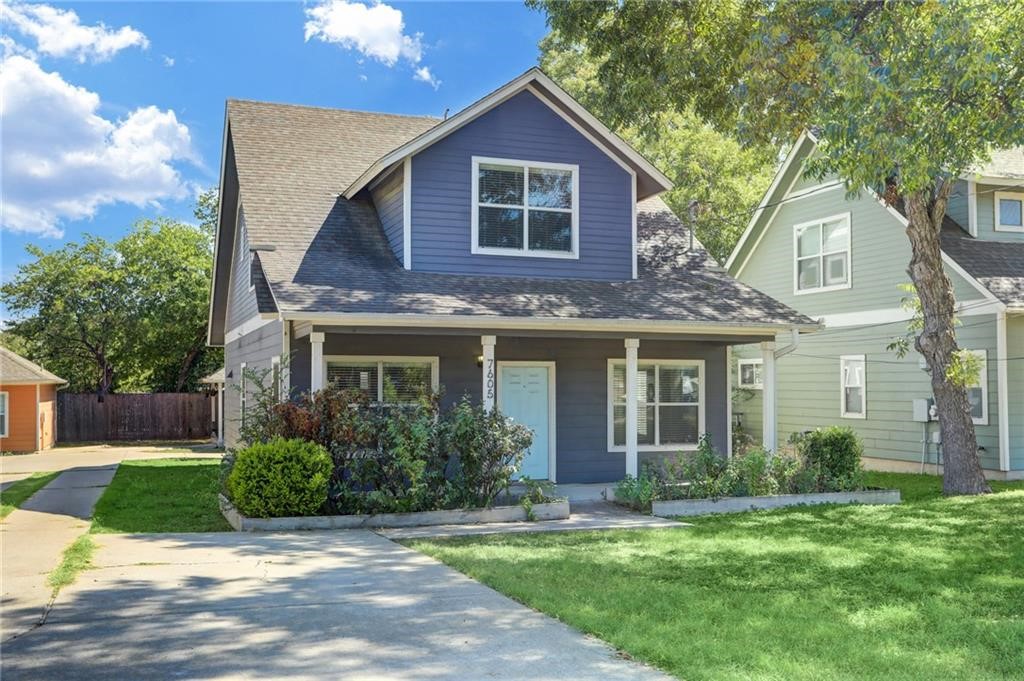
x: 931, y: 589
x: 19, y: 492
x: 161, y: 495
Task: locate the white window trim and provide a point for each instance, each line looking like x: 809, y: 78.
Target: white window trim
x: 701, y: 405
x: 739, y: 374
x: 842, y: 388
x: 849, y: 255
x: 983, y: 384
x: 1013, y: 196
x: 525, y: 251
x: 435, y: 367
x: 5, y: 422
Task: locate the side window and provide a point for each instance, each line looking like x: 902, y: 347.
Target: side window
x: 821, y: 255
x: 853, y: 387
x: 1009, y: 211
x: 749, y: 372
x: 3, y: 414
x: 977, y: 393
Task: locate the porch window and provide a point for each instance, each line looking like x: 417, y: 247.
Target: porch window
x: 670, y: 404
x: 853, y: 387
x: 977, y: 393
x: 750, y: 373
x: 1009, y: 211
x: 524, y: 208
x: 3, y: 414
x: 385, y: 380
x: 822, y: 254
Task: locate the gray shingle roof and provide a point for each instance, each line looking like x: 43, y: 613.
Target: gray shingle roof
x: 330, y: 254
x: 16, y: 369
x: 997, y: 265
x: 1004, y: 163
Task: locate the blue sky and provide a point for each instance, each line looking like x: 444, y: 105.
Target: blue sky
x: 112, y: 104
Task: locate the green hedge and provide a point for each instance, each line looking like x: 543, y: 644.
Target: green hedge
x: 280, y: 478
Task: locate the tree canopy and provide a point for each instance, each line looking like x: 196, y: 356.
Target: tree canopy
x: 706, y: 165
x: 124, y: 316
x: 905, y: 97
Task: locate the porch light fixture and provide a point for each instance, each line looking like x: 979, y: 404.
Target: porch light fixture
x: 480, y: 361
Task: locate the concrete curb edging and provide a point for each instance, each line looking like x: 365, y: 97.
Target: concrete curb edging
x: 558, y: 510
x: 692, y: 507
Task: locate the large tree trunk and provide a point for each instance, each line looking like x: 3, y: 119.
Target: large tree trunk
x: 962, y: 472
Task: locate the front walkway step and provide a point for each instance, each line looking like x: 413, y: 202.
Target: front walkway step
x: 594, y: 515
x: 34, y: 537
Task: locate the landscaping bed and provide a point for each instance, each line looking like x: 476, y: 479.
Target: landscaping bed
x: 695, y: 507
x: 557, y: 510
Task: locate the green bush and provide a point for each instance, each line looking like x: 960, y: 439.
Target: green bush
x: 834, y: 455
x: 638, y: 493
x: 280, y: 478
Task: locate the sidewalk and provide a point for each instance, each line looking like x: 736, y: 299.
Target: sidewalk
x: 34, y: 537
x: 64, y: 458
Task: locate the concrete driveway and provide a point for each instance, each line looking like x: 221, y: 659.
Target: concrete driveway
x: 343, y: 605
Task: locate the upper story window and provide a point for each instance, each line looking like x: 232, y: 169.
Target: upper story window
x: 822, y: 254
x: 524, y: 208
x: 1009, y: 211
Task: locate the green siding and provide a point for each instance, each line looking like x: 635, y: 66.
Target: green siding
x: 1015, y: 385
x: 880, y: 253
x: 957, y: 206
x: 987, y: 216
x: 808, y: 389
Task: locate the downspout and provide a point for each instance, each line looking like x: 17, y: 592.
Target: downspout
x: 794, y: 343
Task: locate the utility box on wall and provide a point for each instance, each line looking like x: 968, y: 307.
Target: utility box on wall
x: 924, y: 410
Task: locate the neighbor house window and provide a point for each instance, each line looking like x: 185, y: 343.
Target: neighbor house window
x: 4, y: 414
x: 385, y: 380
x: 749, y: 371
x: 822, y: 254
x: 524, y: 208
x: 669, y: 407
x: 1009, y: 211
x: 852, y: 378
x: 977, y: 392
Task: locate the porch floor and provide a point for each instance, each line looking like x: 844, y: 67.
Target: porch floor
x: 586, y: 515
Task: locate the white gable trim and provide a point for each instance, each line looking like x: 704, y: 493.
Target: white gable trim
x: 407, y: 213
x: 492, y: 100
x: 793, y: 153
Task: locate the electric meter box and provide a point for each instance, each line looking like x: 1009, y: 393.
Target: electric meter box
x: 923, y: 410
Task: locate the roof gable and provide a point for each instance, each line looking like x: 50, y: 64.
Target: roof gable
x: 650, y: 180
x: 15, y: 369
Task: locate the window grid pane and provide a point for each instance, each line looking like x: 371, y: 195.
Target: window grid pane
x: 361, y: 376
x: 502, y: 185
x: 550, y: 231
x: 404, y: 382
x: 550, y: 188
x: 1011, y: 212
x: 501, y: 227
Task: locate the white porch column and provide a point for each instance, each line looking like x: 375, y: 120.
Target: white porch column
x: 220, y: 414
x: 768, y: 426
x: 489, y: 386
x: 316, y: 379
x: 1002, y: 391
x: 632, y: 459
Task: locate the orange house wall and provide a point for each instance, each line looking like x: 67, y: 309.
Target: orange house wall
x: 21, y: 421
x: 47, y: 416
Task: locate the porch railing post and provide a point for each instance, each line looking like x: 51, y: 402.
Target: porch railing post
x: 632, y: 457
x: 316, y: 380
x: 488, y: 373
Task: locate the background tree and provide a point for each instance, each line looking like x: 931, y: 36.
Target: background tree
x: 907, y: 96
x: 705, y: 165
x: 127, y: 316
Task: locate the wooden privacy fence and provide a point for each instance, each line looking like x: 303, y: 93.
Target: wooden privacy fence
x: 144, y: 416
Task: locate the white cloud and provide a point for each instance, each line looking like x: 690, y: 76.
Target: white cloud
x: 168, y: 61
x: 61, y: 160
x: 59, y: 33
x: 376, y: 31
x: 423, y: 73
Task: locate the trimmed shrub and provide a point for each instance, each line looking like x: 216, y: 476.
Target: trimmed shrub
x: 834, y: 454
x: 280, y: 478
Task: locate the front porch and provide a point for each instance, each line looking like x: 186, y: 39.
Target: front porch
x: 572, y: 391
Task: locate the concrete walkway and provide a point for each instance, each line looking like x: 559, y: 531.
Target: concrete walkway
x: 594, y: 515
x: 34, y: 537
x: 315, y: 605
x: 63, y: 458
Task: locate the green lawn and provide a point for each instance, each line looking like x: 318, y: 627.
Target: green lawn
x: 931, y: 589
x: 19, y: 492
x: 161, y: 495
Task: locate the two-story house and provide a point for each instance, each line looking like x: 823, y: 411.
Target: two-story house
x: 842, y: 261
x: 516, y: 252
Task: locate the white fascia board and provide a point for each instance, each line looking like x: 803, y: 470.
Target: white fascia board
x: 487, y: 103
x: 216, y: 233
x: 793, y: 153
x: 539, y: 323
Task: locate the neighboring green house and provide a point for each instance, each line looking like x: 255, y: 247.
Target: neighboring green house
x: 843, y: 261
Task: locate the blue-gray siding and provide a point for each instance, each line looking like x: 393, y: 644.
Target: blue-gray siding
x: 581, y: 379
x: 522, y: 128
x: 241, y: 300
x: 388, y: 198
x: 256, y: 349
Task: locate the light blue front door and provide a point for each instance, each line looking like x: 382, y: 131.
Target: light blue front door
x: 524, y: 397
